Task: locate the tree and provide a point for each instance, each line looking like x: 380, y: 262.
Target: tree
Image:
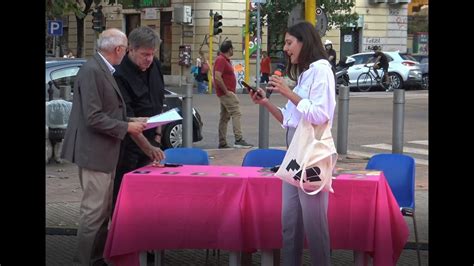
x: 80, y: 8
x: 80, y: 24
x: 276, y: 12
x: 57, y: 8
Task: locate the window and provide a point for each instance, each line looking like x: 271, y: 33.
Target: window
x: 64, y: 77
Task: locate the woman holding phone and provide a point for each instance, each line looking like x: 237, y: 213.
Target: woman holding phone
x: 313, y: 99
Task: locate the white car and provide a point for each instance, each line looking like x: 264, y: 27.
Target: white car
x: 403, y: 70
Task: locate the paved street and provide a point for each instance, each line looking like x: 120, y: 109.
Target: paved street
x: 370, y: 123
x: 369, y: 133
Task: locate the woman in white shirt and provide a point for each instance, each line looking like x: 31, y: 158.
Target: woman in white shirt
x: 313, y: 98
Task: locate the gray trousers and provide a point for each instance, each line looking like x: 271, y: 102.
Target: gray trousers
x: 94, y: 215
x: 302, y: 215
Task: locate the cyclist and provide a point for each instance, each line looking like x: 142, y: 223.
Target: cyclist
x: 380, y: 61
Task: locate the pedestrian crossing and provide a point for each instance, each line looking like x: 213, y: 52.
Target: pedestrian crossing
x: 384, y: 95
x: 418, y: 149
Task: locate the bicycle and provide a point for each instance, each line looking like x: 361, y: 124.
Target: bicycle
x: 367, y: 80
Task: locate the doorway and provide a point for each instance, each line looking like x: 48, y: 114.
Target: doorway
x: 166, y: 37
x: 132, y: 21
x: 350, y: 41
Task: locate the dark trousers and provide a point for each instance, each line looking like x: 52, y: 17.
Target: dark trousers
x: 131, y: 157
x: 264, y: 78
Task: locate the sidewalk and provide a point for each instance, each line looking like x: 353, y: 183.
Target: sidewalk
x: 63, y: 195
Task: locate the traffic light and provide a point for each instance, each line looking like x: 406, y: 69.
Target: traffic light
x: 217, y: 24
x: 253, y: 22
x: 98, y: 20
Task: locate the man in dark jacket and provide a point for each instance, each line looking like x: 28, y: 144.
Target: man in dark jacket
x: 141, y: 83
x: 97, y: 125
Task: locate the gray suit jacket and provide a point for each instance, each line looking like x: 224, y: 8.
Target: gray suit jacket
x: 97, y: 123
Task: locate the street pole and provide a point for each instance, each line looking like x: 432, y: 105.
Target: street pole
x: 187, y: 126
x: 398, y: 117
x: 263, y: 125
x: 211, y: 42
x: 310, y: 11
x: 247, y: 42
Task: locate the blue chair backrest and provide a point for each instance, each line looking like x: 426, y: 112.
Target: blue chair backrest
x: 264, y: 157
x: 193, y: 156
x: 399, y: 170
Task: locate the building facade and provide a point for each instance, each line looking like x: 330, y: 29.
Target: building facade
x: 381, y: 22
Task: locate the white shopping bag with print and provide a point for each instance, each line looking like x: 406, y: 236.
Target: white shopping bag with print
x: 312, y: 149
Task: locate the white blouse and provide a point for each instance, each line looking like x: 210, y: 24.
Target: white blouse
x: 316, y: 87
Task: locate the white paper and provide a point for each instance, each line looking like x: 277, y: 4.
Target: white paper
x: 162, y: 119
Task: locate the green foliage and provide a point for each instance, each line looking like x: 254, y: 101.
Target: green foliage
x: 253, y: 21
x: 339, y: 13
x: 59, y: 8
x: 276, y: 13
x: 417, y: 23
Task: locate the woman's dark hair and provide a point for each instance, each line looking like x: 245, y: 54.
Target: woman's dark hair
x: 311, y: 50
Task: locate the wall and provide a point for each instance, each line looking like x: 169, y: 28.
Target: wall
x: 384, y: 25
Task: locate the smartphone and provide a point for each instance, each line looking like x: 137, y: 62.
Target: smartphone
x: 141, y: 172
x: 172, y: 165
x: 250, y: 88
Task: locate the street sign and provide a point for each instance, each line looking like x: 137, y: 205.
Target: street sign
x: 321, y: 21
x: 55, y: 27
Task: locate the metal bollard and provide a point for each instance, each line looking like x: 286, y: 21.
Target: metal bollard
x: 398, y: 120
x: 188, y: 117
x: 342, y: 119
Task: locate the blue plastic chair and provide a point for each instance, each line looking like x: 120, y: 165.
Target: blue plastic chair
x: 191, y: 156
x: 399, y: 170
x: 264, y: 157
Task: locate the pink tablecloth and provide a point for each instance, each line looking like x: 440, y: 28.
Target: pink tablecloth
x: 239, y: 208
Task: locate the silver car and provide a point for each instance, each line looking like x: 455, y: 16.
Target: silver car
x: 403, y: 70
x: 423, y: 59
x: 60, y: 78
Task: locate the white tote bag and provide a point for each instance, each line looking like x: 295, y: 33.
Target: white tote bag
x: 312, y: 148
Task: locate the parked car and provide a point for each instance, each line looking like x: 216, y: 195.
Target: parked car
x: 62, y: 73
x: 403, y: 70
x: 423, y: 60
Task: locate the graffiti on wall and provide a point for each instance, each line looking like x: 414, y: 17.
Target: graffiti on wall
x: 400, y: 19
x: 370, y: 42
x: 239, y: 71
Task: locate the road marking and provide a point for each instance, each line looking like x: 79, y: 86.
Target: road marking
x: 350, y: 152
x: 383, y: 94
x: 384, y: 146
x: 421, y: 142
x: 369, y: 155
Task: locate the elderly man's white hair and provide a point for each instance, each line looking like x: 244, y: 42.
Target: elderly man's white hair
x: 111, y: 38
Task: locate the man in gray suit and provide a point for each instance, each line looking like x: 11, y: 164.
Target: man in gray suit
x: 97, y: 125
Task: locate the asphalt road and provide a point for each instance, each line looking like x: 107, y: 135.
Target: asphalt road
x: 370, y: 123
